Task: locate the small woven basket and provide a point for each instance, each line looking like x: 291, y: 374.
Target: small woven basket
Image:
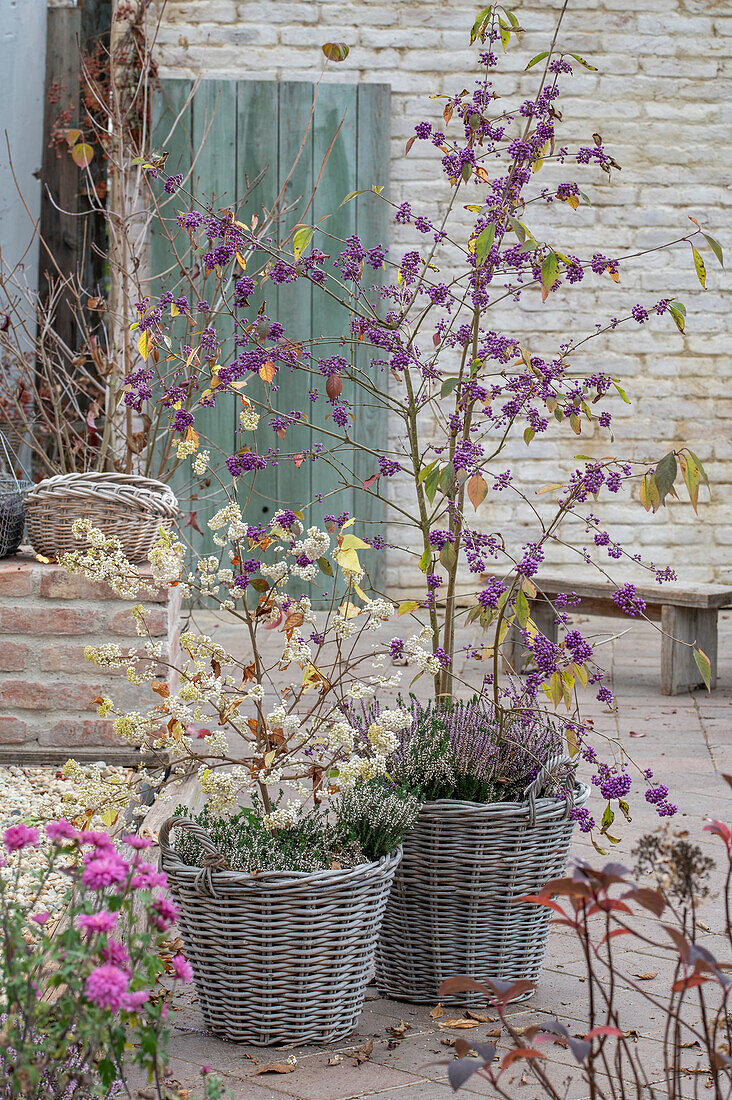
x: 453, y: 909
x: 278, y: 957
x: 12, y: 492
x: 125, y: 506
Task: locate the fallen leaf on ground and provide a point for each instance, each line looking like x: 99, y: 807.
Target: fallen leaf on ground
x: 481, y: 1017
x: 276, y: 1067
x: 458, y: 1022
x: 648, y: 976
x: 335, y: 1060
x: 436, y: 1012
x: 633, y: 1034
x: 400, y: 1031
x: 693, y: 1043
x: 362, y: 1054
x: 633, y: 733
x: 496, y: 1034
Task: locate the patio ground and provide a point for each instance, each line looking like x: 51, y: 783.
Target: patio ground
x: 686, y: 740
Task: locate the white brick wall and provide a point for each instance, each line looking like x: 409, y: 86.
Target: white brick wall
x: 661, y: 101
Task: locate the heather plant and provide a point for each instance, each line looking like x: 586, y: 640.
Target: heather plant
x: 456, y: 750
x: 687, y: 992
x: 363, y: 823
x: 454, y: 389
x: 81, y: 1000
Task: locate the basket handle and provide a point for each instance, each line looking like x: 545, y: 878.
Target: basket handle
x: 212, y: 858
x: 535, y: 788
x: 7, y: 451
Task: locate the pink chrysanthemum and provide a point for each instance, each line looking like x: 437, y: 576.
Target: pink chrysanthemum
x: 107, y: 986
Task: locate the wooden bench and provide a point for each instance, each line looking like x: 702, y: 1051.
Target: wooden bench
x: 686, y: 615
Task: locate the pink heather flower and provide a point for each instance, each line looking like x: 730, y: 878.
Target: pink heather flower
x: 147, y: 877
x: 205, y: 1070
x: 99, y: 922
x: 183, y: 969
x: 104, y: 870
x: 20, y: 836
x: 135, y: 841
x: 97, y: 839
x: 116, y: 955
x: 164, y: 914
x: 106, y: 987
x: 41, y: 918
x: 61, y: 830
x: 132, y: 1001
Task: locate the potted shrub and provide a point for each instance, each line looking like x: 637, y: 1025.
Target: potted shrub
x: 456, y: 393
x: 282, y: 878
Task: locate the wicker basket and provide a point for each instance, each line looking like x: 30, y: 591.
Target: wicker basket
x: 279, y: 957
x: 452, y: 908
x: 12, y: 491
x: 128, y: 507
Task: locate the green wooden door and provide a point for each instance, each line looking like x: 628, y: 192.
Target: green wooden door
x: 255, y: 129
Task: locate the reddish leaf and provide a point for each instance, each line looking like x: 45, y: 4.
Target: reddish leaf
x: 192, y: 521
x: 409, y: 144
x: 298, y: 459
x: 82, y: 154
x: 548, y: 903
x: 335, y: 51
x: 371, y: 481
x: 720, y: 829
x: 605, y: 1029
x: 463, y: 984
x: 520, y: 1052
x: 689, y: 983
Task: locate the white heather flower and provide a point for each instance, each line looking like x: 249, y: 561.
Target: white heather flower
x: 282, y: 818
x: 200, y: 462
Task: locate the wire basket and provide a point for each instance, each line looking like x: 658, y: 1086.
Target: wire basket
x: 123, y: 506
x: 282, y: 956
x: 12, y: 493
x: 454, y: 908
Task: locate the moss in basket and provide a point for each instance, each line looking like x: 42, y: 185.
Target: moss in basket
x: 454, y: 750
x: 359, y: 825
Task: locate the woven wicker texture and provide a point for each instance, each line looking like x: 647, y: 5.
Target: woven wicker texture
x: 12, y: 491
x: 280, y: 957
x: 125, y: 506
x: 452, y: 908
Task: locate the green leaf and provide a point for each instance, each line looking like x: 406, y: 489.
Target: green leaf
x: 701, y: 271
x: 521, y: 605
x: 665, y: 474
x: 625, y: 809
x: 607, y: 819
x: 704, y: 477
x: 504, y: 33
x: 678, y: 312
x: 479, y: 24
x: 448, y: 386
x: 353, y: 194
x: 529, y: 434
x: 549, y: 271
x: 519, y: 229
x: 448, y: 556
x: 621, y: 392
x: 483, y: 244
x: 259, y: 584
x: 325, y: 567
x: 335, y: 51
x: 586, y: 64
x: 705, y: 667
x: 715, y: 247
x: 301, y: 240
x: 426, y: 471
x: 430, y: 484
x: 585, y: 198
x: 425, y: 561
x: 535, y: 60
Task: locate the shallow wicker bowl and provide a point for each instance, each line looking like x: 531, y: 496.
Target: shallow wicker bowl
x: 279, y: 957
x: 453, y: 905
x: 125, y: 506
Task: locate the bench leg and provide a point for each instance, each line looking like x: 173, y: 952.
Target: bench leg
x: 513, y: 651
x: 679, y: 671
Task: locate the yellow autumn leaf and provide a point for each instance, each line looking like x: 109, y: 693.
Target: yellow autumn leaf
x: 353, y: 542
x: 348, y: 561
x: 349, y: 523
x: 143, y: 345
x: 242, y: 261
x: 109, y: 817
x: 174, y: 311
x: 349, y: 610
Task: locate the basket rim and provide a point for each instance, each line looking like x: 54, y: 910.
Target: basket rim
x: 175, y: 867
x: 91, y: 480
x: 581, y: 793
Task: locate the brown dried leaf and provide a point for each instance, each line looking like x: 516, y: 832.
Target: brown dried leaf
x: 276, y: 1067
x: 161, y: 688
x: 437, y: 1012
x: 481, y: 1017
x: 647, y: 977
x: 400, y: 1031
x: 362, y: 1054
x: 335, y: 1060
x: 458, y: 1022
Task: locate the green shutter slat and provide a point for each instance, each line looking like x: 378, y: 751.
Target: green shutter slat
x: 372, y: 224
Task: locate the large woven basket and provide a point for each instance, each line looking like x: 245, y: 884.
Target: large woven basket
x: 125, y: 506
x: 279, y: 957
x: 452, y: 908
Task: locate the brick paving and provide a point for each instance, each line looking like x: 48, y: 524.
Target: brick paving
x: 686, y: 739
